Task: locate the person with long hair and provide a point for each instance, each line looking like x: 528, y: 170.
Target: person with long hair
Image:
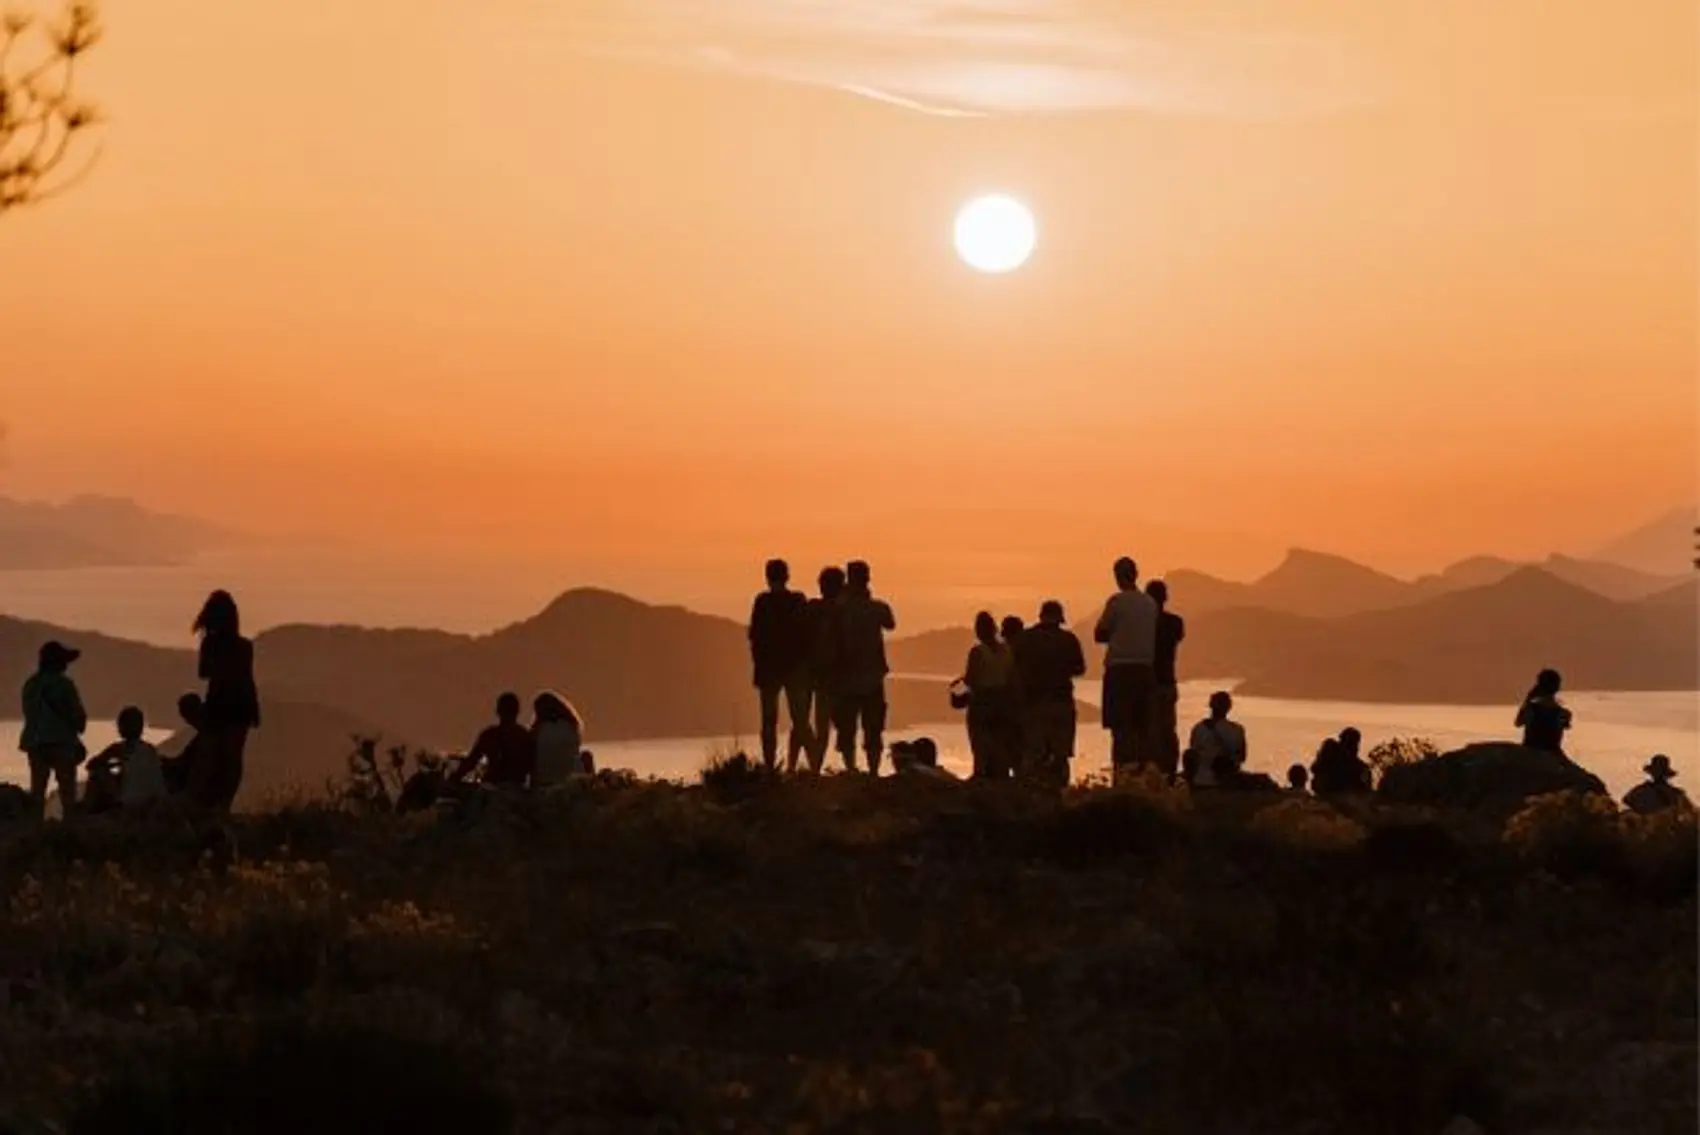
x: 558, y: 733
x: 1542, y: 717
x: 231, y: 706
x: 993, y: 703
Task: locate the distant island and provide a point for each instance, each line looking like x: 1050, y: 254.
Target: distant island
x: 99, y: 532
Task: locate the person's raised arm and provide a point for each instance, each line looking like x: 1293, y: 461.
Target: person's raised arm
x: 474, y: 756
x: 1522, y: 714
x: 887, y: 620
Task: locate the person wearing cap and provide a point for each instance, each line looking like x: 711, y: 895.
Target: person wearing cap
x: 1049, y: 661
x: 1657, y: 793
x: 54, y: 720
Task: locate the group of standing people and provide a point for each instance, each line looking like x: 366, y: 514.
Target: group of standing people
x: 825, y: 658
x: 131, y: 773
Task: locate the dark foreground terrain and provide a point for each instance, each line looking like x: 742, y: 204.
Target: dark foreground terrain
x: 846, y: 956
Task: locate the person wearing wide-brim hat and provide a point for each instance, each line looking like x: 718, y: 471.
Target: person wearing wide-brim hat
x: 54, y: 720
x: 1656, y: 793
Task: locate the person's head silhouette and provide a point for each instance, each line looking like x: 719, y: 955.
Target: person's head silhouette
x: 131, y: 723
x: 1011, y: 627
x: 1351, y: 740
x: 189, y: 708
x: 986, y: 628
x: 1051, y: 613
x: 858, y: 575
x: 778, y: 574
x: 56, y: 657
x: 1298, y: 778
x: 1547, y: 684
x: 1127, y: 573
x: 831, y: 582
x: 1221, y: 702
x: 1159, y: 592
x: 219, y: 615
x: 507, y: 708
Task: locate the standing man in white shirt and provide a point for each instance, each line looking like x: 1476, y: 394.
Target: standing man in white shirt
x: 1128, y: 631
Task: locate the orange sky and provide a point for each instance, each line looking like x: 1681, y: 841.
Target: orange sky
x: 671, y: 279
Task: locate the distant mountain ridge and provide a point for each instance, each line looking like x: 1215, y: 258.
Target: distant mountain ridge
x: 97, y: 531
x: 1662, y: 546
x: 1320, y: 585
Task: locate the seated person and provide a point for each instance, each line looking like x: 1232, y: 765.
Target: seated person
x: 137, y: 778
x: 1337, y: 769
x: 1218, y: 745
x: 507, y: 751
x: 176, y: 770
x: 1657, y: 793
x: 558, y: 734
x: 919, y: 757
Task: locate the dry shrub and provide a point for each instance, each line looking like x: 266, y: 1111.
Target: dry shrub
x: 1662, y: 852
x: 1575, y: 835
x: 1396, y: 752
x: 736, y: 774
x: 1308, y: 824
x: 1098, y: 827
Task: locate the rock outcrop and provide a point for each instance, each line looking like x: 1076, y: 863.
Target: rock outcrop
x: 1493, y: 778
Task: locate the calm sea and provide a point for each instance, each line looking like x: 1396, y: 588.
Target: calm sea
x: 1615, y: 733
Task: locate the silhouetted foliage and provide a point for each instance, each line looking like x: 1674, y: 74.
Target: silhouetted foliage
x: 1397, y: 751
x: 41, y: 116
x: 736, y: 773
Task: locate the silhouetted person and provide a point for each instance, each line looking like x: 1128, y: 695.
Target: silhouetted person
x: 558, y: 736
x: 991, y: 680
x: 1013, y: 632
x: 779, y: 652
x: 141, y: 779
x: 1657, y: 793
x: 507, y: 750
x: 1165, y: 698
x: 919, y: 758
x: 824, y: 664
x: 231, y: 706
x: 1338, y: 769
x: 54, y: 720
x: 179, y: 769
x: 1542, y: 717
x: 1128, y: 631
x: 1010, y: 630
x: 1298, y: 780
x: 1049, y: 661
x: 1218, y: 744
x: 859, y: 697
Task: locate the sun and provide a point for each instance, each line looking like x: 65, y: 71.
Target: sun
x: 995, y: 233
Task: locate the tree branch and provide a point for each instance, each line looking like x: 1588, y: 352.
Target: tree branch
x: 40, y: 116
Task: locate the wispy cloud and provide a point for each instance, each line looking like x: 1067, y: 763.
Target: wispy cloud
x: 983, y: 57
